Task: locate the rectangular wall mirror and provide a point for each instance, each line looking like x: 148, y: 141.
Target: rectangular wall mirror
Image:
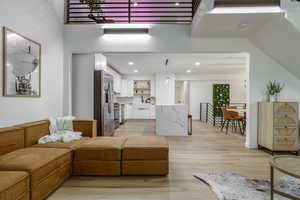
x: 21, y: 65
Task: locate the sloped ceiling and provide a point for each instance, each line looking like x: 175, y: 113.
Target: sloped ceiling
x: 276, y: 34
x: 233, y: 24
x: 280, y: 39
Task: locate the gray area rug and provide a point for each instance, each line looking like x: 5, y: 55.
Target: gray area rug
x: 230, y: 186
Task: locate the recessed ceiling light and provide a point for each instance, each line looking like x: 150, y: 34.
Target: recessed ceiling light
x: 197, y: 63
x: 135, y: 71
x: 135, y: 4
x: 130, y: 63
x: 177, y: 4
x: 188, y: 71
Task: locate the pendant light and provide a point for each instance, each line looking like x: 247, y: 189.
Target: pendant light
x: 168, y: 78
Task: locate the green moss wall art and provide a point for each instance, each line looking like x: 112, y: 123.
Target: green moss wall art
x: 221, y: 97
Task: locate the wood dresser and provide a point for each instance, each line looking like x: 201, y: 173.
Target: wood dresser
x: 278, y: 126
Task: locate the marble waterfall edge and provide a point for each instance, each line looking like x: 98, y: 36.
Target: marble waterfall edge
x: 172, y: 120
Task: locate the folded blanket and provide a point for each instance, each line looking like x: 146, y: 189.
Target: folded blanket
x: 61, y: 130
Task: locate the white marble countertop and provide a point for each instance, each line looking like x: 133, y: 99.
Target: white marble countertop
x: 172, y: 120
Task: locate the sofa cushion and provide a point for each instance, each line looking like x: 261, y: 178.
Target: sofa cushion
x: 38, y: 162
x: 100, y: 148
x: 145, y: 148
x: 33, y: 131
x: 88, y: 128
x: 65, y: 145
x: 14, y: 185
x: 11, y: 139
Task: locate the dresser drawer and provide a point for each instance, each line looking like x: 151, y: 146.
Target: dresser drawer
x: 286, y: 143
x: 285, y: 120
x: 286, y: 131
x: 285, y: 107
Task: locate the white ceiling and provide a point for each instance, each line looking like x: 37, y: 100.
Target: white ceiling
x: 223, y: 24
x: 150, y: 63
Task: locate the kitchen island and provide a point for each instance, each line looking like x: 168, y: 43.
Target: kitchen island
x: 172, y: 120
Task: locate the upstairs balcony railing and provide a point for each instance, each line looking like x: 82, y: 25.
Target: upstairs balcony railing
x: 131, y: 11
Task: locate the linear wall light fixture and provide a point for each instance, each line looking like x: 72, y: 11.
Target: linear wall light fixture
x: 120, y: 31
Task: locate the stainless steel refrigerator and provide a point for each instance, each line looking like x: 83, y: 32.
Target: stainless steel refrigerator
x: 103, y: 103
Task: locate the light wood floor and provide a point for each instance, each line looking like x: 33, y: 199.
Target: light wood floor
x: 208, y: 150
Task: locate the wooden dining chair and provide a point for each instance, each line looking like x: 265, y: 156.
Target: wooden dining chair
x: 231, y: 117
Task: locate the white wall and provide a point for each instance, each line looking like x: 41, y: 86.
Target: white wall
x: 165, y: 89
x: 101, y: 62
x: 37, y: 20
x: 179, y: 92
x: 83, y: 66
x: 201, y: 91
x: 186, y: 89
x: 201, y: 88
x: 262, y: 67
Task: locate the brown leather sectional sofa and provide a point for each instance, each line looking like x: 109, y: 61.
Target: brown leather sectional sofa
x: 32, y: 171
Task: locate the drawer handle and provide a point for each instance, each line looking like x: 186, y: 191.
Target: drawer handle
x: 285, y: 126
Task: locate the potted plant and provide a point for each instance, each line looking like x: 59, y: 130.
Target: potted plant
x: 96, y: 13
x: 273, y: 89
x: 94, y: 5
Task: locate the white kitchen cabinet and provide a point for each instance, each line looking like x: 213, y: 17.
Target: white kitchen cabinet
x: 117, y: 83
x: 124, y: 91
x: 153, y: 88
x: 152, y: 112
x: 128, y: 111
x: 130, y: 88
x: 117, y: 79
x: 141, y: 112
x: 126, y: 88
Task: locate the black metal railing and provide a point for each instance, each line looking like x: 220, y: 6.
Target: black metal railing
x: 132, y: 11
x: 208, y: 114
x: 213, y: 115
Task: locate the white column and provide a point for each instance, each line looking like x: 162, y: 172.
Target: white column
x: 165, y: 89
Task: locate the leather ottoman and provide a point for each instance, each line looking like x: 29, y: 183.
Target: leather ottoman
x: 14, y: 186
x: 99, y: 156
x: 145, y: 155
